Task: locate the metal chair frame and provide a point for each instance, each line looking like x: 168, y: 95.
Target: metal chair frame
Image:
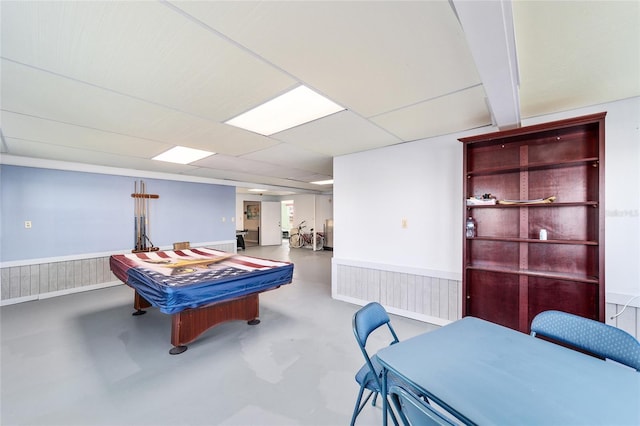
x: 414, y: 411
x: 365, y: 321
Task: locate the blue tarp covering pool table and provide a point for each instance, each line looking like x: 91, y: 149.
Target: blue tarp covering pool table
x: 177, y: 280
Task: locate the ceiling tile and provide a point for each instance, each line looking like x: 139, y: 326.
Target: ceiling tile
x: 225, y: 162
x: 248, y: 179
x: 293, y: 157
x: 574, y: 54
x: 462, y: 110
x: 252, y: 169
x: 26, y: 148
x: 338, y: 134
x: 49, y: 132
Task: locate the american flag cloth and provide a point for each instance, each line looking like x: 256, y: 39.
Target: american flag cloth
x: 180, y: 279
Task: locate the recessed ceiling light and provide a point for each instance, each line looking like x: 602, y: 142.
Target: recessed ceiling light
x: 182, y: 155
x: 257, y: 190
x: 298, y: 106
x: 323, y: 182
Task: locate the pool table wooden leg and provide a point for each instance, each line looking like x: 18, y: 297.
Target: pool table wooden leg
x: 140, y: 304
x: 187, y: 325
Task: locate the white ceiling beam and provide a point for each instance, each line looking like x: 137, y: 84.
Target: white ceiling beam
x: 488, y: 27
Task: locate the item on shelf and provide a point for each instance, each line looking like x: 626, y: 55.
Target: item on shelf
x: 543, y: 234
x: 471, y: 227
x: 484, y: 200
x: 536, y: 201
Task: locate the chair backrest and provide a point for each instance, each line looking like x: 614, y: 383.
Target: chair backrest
x: 414, y: 411
x: 181, y: 245
x: 588, y: 335
x: 369, y: 318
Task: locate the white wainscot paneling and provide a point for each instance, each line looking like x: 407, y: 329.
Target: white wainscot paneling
x: 424, y: 295
x: 628, y: 320
x: 35, y: 280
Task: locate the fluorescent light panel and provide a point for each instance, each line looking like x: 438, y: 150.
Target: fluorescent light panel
x: 323, y: 182
x: 298, y: 106
x: 182, y: 155
x: 257, y: 190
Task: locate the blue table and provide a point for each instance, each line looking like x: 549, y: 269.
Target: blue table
x: 484, y: 373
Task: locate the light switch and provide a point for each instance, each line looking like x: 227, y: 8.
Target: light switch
x: 404, y: 223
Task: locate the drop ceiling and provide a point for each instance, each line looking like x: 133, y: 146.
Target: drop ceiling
x: 116, y: 83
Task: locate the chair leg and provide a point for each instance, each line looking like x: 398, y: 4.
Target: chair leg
x: 390, y: 412
x: 359, y: 406
x: 375, y: 397
x: 394, y: 406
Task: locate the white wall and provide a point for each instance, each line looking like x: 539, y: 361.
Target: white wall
x: 422, y: 182
x: 324, y: 210
x: 313, y: 209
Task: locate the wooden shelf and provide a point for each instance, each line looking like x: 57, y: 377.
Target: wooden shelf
x: 511, y: 206
x: 509, y: 274
x: 534, y: 166
x: 538, y: 274
x: 534, y: 241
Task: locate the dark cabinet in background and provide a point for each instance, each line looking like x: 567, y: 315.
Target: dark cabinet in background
x: 510, y: 274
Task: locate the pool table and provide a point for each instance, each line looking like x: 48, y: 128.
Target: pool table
x: 199, y: 287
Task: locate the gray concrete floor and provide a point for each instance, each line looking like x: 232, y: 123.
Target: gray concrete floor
x: 82, y: 359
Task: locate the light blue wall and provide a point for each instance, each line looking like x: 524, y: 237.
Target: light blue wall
x: 75, y: 212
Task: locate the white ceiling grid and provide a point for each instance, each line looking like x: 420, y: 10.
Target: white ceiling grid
x: 116, y: 83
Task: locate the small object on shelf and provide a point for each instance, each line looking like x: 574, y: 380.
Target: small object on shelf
x: 470, y: 227
x: 543, y: 234
x: 479, y: 202
x: 536, y: 201
x: 484, y: 200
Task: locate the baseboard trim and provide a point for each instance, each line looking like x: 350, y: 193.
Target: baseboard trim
x: 396, y: 311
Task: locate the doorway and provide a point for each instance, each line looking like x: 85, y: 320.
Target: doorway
x: 262, y: 223
x: 251, y: 211
x: 270, y: 224
x: 287, y: 218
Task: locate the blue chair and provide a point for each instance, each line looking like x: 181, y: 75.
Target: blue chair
x: 590, y: 336
x: 414, y: 411
x: 365, y: 321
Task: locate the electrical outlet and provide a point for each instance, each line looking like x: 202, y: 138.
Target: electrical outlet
x: 27, y: 224
x: 404, y: 223
x: 224, y: 219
